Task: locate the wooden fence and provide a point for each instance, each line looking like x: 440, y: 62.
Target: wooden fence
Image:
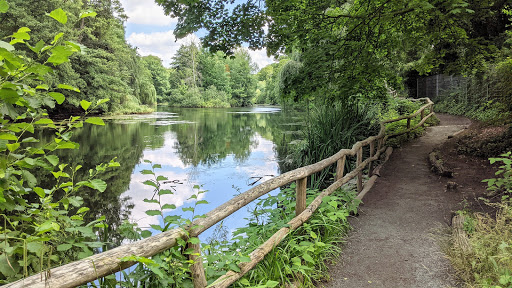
x: 108, y: 262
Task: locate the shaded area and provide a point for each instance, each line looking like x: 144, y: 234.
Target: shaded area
x: 393, y: 242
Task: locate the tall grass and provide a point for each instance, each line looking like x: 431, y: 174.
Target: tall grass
x: 330, y: 128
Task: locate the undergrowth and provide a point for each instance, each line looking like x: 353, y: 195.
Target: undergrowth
x: 488, y: 263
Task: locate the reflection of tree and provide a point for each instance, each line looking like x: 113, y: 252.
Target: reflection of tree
x: 213, y: 134
x: 99, y: 145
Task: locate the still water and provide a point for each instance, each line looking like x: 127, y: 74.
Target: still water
x: 224, y: 151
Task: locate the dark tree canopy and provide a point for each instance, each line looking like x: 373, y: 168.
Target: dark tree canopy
x: 351, y: 47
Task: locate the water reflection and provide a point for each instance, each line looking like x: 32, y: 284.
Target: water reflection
x: 219, y: 149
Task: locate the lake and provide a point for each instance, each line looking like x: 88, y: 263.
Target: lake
x: 224, y: 151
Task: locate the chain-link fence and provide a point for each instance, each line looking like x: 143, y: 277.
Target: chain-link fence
x: 461, y: 89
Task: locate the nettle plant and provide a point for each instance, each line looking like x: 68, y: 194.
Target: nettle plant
x: 503, y: 183
x: 41, y: 226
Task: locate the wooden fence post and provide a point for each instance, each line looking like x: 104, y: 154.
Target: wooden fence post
x: 300, y: 190
x: 372, y: 152
x: 360, y: 173
x: 422, y: 116
x: 340, y: 167
x: 197, y: 269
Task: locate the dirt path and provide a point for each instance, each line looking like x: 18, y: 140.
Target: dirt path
x: 393, y: 243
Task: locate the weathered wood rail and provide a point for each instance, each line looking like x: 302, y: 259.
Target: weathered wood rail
x: 108, y: 262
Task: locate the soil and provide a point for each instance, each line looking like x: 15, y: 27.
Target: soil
x: 395, y: 241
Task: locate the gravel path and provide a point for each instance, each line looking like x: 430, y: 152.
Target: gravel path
x: 393, y: 243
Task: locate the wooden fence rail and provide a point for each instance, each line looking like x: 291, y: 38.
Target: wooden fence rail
x: 108, y: 262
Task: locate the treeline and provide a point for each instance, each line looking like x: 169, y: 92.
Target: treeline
x: 107, y: 67
x: 198, y: 78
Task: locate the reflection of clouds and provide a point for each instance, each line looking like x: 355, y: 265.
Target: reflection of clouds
x: 265, y: 162
x: 138, y: 192
x: 167, y: 154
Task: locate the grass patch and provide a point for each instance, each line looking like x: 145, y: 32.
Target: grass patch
x: 489, y: 263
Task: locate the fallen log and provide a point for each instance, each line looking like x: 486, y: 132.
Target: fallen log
x: 438, y: 166
x: 460, y: 238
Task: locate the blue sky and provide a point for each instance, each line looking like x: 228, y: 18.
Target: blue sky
x: 151, y: 32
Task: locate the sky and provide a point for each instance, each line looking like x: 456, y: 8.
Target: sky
x: 151, y: 32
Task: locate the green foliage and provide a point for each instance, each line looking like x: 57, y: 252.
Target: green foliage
x: 42, y: 226
x: 106, y: 67
x: 504, y: 182
x: 489, y: 262
x: 201, y: 79
x: 330, y: 128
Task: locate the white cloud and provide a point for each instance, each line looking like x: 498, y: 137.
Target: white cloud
x: 146, y: 13
x: 161, y: 44
x: 260, y: 57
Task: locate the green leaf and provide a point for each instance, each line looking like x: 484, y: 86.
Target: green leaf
x: 147, y: 172
x: 153, y: 212
x: 193, y: 240
x: 40, y: 192
x: 88, y: 14
x: 44, y: 121
x: 57, y: 37
x: 68, y: 87
x: 9, y: 96
x: 30, y: 179
x: 59, y: 97
x: 161, y: 178
x: 201, y: 202
x: 101, y: 101
x: 53, y: 159
x: 145, y: 234
x: 64, y: 247
x: 59, y: 15
x: 95, y: 121
x: 3, y: 6
x: 60, y: 54
x: 85, y: 104
x: 151, y: 201
x: 97, y: 184
x: 149, y: 183
x: 6, y: 45
x: 20, y: 36
x: 165, y: 192
x: 308, y: 258
x: 271, y: 283
x: 8, y: 136
x: 12, y: 147
x: 169, y: 206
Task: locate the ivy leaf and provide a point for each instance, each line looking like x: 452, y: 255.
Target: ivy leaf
x: 95, y: 121
x: 59, y: 97
x: 59, y: 15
